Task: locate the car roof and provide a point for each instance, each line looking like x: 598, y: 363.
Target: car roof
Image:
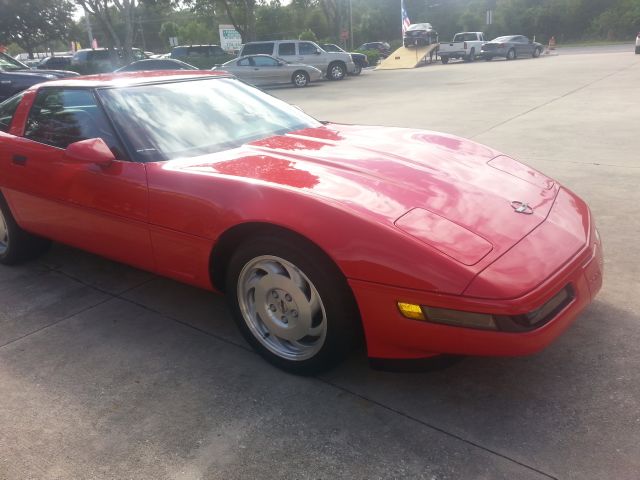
x: 127, y: 79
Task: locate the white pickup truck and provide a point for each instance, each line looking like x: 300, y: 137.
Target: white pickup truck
x: 465, y: 45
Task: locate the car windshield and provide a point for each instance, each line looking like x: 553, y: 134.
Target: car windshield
x: 502, y: 39
x: 7, y: 63
x: 331, y: 48
x: 214, y: 114
x: 419, y: 26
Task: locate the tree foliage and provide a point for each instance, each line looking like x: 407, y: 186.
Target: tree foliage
x: 35, y: 23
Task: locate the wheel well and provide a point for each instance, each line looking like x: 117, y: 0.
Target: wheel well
x: 342, y: 64
x: 231, y: 238
x: 299, y: 71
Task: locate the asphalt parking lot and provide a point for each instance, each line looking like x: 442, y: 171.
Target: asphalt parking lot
x: 109, y: 372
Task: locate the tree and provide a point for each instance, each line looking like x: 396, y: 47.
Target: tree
x: 242, y: 13
x: 102, y: 11
x: 34, y: 23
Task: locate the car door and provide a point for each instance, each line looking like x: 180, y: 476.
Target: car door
x: 102, y: 209
x: 267, y: 70
x: 308, y: 54
x: 522, y: 46
x: 243, y: 69
x: 287, y: 52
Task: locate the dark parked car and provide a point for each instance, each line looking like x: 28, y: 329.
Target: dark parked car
x: 360, y: 59
x: 201, y: 56
x: 58, y: 62
x: 383, y: 47
x: 156, y: 64
x: 100, y: 60
x: 15, y: 76
x: 511, y: 47
x: 420, y: 34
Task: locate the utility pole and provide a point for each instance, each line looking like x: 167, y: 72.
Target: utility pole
x: 350, y: 25
x: 89, y: 31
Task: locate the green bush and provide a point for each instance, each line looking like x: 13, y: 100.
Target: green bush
x: 373, y: 56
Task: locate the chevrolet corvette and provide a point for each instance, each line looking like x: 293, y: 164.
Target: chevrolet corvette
x: 319, y: 234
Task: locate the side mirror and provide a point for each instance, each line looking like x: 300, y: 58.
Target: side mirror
x: 93, y: 150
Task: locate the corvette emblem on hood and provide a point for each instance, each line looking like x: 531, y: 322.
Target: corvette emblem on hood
x: 521, y: 207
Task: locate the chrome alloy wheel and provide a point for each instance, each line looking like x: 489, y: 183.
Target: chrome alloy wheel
x: 282, y: 308
x: 300, y: 79
x: 4, y: 234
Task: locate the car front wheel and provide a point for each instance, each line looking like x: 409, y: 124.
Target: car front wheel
x: 300, y: 79
x: 337, y: 71
x: 537, y: 52
x: 291, y: 304
x: 16, y: 245
x: 511, y: 54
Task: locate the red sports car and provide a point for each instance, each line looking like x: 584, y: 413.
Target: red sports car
x: 319, y: 234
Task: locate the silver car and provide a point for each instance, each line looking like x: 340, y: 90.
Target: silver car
x: 267, y: 70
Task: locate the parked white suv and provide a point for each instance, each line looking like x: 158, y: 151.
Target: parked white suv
x: 334, y: 65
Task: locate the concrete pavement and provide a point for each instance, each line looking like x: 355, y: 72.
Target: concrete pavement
x: 109, y: 372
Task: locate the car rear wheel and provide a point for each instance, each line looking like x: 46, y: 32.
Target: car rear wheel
x: 444, y: 60
x: 300, y: 79
x: 472, y: 55
x: 337, y: 71
x: 291, y: 304
x: 511, y: 54
x: 537, y: 52
x: 16, y: 245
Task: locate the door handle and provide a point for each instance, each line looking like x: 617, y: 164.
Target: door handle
x: 19, y: 159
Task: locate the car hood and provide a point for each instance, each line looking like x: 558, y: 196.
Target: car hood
x: 385, y: 173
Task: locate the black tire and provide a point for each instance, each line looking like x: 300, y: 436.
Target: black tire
x: 336, y: 310
x: 444, y: 60
x: 336, y: 71
x: 16, y: 245
x: 511, y: 54
x: 300, y: 79
x: 638, y: 50
x: 472, y: 55
x: 357, y: 71
x: 537, y: 52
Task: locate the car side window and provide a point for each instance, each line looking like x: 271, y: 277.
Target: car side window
x: 287, y: 49
x: 256, y: 48
x: 7, y: 110
x: 264, y: 62
x: 307, y: 48
x: 60, y: 117
x: 245, y: 62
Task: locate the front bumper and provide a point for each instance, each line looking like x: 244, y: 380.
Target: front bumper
x: 389, y: 335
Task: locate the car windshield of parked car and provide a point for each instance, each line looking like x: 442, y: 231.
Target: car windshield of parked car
x: 419, y: 26
x: 8, y: 64
x: 196, y: 117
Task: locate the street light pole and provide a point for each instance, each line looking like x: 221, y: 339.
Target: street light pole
x: 350, y: 26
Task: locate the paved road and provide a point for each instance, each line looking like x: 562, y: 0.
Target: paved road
x: 109, y: 372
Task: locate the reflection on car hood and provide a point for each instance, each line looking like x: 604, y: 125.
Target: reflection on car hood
x: 385, y: 172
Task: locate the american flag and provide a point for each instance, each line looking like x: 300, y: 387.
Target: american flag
x: 405, y: 18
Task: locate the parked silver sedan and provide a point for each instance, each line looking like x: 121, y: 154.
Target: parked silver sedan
x: 267, y: 70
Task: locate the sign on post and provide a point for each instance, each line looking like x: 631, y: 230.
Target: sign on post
x: 230, y: 39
